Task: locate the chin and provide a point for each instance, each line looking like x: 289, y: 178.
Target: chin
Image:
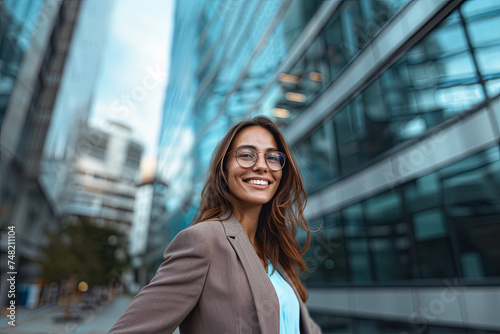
x: 254, y: 201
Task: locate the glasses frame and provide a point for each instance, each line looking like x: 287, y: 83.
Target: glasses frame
x: 257, y: 157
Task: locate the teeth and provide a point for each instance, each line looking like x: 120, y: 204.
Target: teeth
x: 260, y: 182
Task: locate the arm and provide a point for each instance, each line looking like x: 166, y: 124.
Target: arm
x: 174, y: 291
x: 312, y: 326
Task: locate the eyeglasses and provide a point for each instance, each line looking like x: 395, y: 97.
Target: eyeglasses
x: 247, y: 157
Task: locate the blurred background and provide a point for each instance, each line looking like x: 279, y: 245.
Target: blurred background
x: 110, y: 111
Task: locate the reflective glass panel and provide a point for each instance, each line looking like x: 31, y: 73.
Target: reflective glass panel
x: 326, y: 257
x: 383, y: 209
x: 471, y: 197
x: 317, y: 157
x: 353, y: 221
x: 473, y: 8
x: 429, y: 225
x: 351, y: 28
x: 359, y: 260
x: 391, y: 259
x: 423, y: 193
x: 350, y: 134
x: 335, y: 55
x: 432, y: 266
x: 482, y: 18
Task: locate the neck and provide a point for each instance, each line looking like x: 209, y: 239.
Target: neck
x: 250, y: 221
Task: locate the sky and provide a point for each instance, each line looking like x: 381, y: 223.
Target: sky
x: 134, y: 71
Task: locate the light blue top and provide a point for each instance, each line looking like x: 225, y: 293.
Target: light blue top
x: 289, y: 304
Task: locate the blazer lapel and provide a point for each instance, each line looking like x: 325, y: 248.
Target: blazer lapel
x: 265, y: 297
x: 304, y: 328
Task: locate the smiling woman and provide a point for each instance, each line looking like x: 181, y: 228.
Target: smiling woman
x: 234, y: 270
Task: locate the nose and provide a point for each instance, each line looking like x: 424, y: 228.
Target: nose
x: 260, y: 164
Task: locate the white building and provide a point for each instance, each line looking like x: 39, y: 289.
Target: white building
x: 102, y: 184
x: 150, y: 230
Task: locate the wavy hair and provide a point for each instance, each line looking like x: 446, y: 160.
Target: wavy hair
x: 279, y: 218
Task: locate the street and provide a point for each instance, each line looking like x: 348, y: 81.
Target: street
x: 93, y: 320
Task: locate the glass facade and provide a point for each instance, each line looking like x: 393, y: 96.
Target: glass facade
x: 449, y: 72
x: 19, y: 20
x: 393, y: 237
x: 347, y: 32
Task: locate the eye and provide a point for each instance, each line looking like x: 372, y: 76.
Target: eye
x: 273, y: 158
x: 246, y: 154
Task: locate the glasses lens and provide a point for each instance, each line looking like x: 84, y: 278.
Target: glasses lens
x: 246, y: 157
x: 275, y: 160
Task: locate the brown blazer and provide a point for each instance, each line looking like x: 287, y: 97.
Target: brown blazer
x: 211, y: 282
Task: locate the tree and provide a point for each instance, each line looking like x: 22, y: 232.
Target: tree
x: 82, y: 251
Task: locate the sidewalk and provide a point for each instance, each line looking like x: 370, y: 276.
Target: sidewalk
x: 93, y: 320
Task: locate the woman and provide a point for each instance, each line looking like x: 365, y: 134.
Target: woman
x: 234, y: 270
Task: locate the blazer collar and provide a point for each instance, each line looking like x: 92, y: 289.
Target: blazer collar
x: 264, y: 294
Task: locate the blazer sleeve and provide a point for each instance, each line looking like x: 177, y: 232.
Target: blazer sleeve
x: 175, y: 289
x: 312, y: 326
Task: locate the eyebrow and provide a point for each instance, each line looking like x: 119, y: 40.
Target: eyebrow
x: 269, y: 149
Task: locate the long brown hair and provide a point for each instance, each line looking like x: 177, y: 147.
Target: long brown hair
x: 279, y: 217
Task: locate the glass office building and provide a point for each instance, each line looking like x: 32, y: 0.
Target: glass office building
x: 40, y: 44
x: 16, y: 32
x: 31, y: 63
x: 393, y: 111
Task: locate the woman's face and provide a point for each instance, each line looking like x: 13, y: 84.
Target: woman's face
x: 241, y: 180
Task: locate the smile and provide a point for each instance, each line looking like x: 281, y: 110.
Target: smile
x: 258, y: 182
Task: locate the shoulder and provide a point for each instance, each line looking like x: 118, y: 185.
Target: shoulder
x: 203, y: 238
x: 209, y: 228
x: 205, y: 232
